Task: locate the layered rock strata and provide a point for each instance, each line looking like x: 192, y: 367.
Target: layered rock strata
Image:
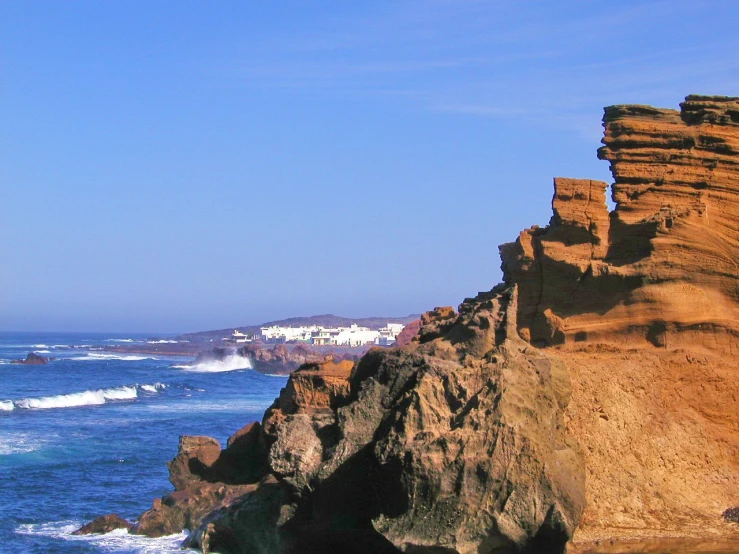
x: 660, y: 268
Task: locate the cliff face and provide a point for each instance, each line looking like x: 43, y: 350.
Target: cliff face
x: 662, y: 267
x: 470, y: 439
x: 455, y: 443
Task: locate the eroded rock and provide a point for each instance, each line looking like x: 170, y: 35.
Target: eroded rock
x: 663, y: 264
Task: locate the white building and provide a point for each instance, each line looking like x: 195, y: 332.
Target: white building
x: 277, y: 334
x: 389, y: 333
x: 353, y: 335
x: 238, y: 338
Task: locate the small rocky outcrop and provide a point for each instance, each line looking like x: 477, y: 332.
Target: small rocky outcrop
x: 104, y: 524
x: 33, y: 359
x: 206, y: 478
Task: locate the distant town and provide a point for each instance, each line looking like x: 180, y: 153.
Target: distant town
x: 354, y: 335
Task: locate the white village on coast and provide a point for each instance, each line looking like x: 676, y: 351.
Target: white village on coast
x: 354, y: 335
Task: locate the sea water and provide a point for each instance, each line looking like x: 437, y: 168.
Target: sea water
x: 90, y: 433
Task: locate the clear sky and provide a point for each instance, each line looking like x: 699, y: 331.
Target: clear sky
x: 187, y: 165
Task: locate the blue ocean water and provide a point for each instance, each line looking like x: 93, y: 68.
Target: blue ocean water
x: 90, y: 433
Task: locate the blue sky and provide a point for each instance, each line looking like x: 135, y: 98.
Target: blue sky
x: 178, y: 166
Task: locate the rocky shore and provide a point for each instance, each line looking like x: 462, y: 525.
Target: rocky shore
x: 592, y: 396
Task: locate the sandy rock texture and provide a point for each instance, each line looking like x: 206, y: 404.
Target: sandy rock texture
x: 661, y: 268
x: 643, y: 304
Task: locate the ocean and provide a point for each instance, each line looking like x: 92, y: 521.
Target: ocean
x: 90, y: 433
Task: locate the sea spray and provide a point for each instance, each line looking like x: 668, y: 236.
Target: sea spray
x: 230, y: 363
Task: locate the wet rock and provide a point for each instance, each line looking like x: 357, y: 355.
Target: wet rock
x: 104, y: 524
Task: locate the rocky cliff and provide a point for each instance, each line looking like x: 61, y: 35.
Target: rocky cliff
x: 455, y: 443
x: 662, y: 267
x: 596, y: 387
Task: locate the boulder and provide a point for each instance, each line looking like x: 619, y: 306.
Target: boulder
x: 32, y: 359
x: 104, y: 524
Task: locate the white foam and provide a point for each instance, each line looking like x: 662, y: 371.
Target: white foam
x: 115, y: 541
x: 42, y: 351
x: 156, y: 387
x: 19, y: 443
x: 103, y: 356
x: 162, y: 341
x: 75, y: 399
x: 230, y: 363
x: 121, y: 340
x: 120, y: 393
x: 39, y: 346
x: 84, y: 398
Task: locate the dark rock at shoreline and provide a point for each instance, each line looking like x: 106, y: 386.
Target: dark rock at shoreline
x: 33, y: 359
x: 104, y: 524
x: 206, y: 479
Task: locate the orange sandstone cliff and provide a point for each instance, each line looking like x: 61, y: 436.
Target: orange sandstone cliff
x: 592, y: 395
x: 662, y: 267
x: 643, y: 304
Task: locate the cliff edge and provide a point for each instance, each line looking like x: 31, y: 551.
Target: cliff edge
x: 595, y: 389
x: 662, y: 267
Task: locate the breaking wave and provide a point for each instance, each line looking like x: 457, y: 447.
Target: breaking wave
x: 163, y: 341
x: 103, y: 356
x: 115, y: 541
x: 84, y: 398
x: 230, y: 363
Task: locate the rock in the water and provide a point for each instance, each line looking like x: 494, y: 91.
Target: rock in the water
x: 103, y: 524
x: 206, y: 478
x: 32, y: 359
